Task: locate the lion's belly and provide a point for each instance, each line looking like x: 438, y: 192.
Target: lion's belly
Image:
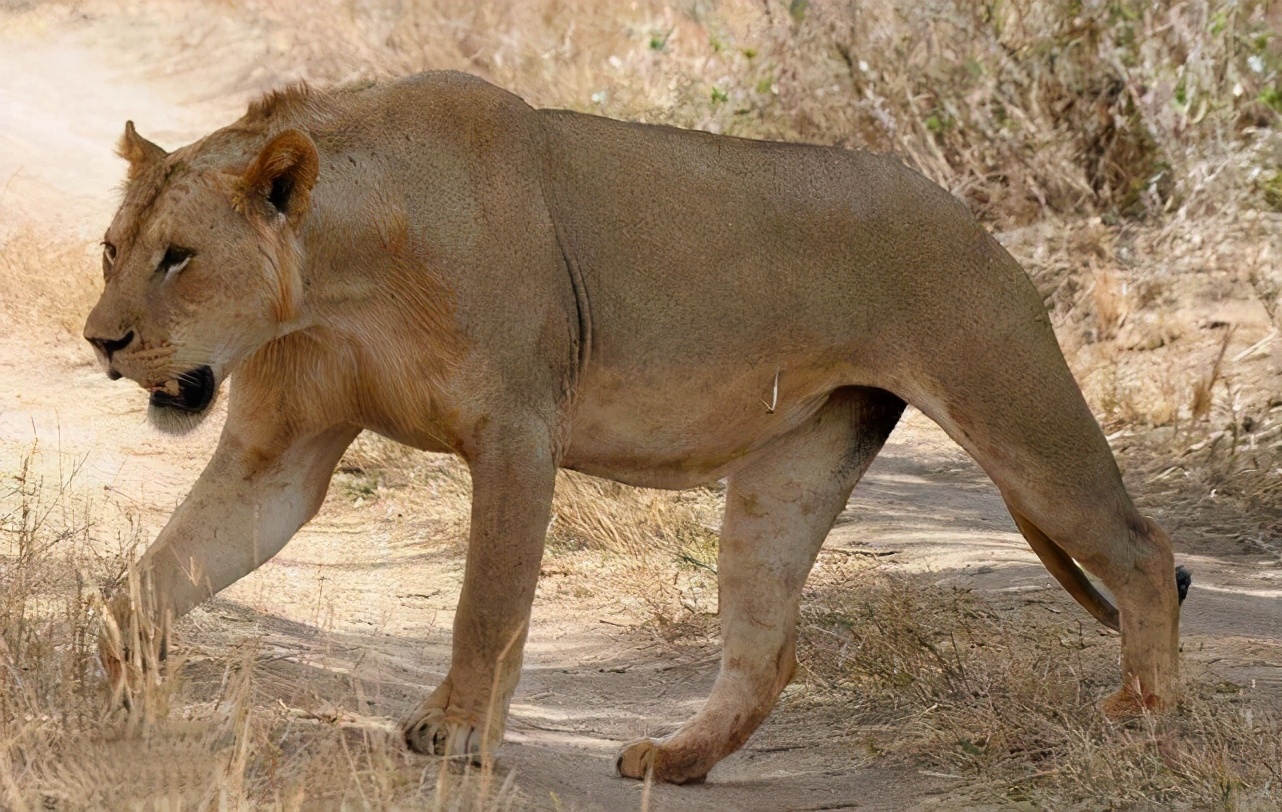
x: 683, y: 430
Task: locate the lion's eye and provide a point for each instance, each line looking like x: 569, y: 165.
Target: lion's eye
x: 175, y: 260
x: 108, y: 256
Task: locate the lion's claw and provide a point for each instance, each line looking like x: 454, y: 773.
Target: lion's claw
x: 432, y: 733
x: 636, y: 759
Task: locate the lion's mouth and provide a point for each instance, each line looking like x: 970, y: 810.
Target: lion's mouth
x: 192, y: 391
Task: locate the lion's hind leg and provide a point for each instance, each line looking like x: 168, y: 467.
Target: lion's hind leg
x: 1029, y: 428
x: 779, y: 509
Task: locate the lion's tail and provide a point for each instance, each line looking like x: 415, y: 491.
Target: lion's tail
x: 1074, y: 580
x: 1066, y: 571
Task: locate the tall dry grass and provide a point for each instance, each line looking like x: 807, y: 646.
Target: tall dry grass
x: 1004, y: 698
x: 1020, y: 107
x: 1124, y: 107
x: 201, y: 734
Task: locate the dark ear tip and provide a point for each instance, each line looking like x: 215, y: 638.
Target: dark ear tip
x: 1183, y: 579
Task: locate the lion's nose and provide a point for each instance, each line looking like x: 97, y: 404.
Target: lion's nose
x: 110, y: 346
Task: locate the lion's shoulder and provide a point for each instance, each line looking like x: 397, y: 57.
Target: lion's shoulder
x: 292, y: 98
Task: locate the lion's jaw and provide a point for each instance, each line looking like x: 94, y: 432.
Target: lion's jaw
x: 183, y: 404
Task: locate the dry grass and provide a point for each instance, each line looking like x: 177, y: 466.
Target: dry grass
x: 1005, y: 696
x: 1120, y: 107
x: 209, y: 732
x: 654, y: 551
x: 205, y: 734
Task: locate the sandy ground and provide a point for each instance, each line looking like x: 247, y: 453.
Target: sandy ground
x: 356, y: 602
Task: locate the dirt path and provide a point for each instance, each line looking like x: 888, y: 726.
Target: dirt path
x: 356, y: 603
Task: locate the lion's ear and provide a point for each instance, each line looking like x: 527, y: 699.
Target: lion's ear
x: 138, y: 151
x: 283, y: 174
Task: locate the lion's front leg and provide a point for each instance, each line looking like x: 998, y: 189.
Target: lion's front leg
x: 247, y: 503
x: 512, y: 481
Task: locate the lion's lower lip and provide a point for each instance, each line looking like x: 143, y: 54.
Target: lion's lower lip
x: 196, y: 389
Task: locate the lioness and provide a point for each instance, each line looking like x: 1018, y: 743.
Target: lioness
x: 436, y: 261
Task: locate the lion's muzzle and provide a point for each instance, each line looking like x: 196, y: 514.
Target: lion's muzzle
x: 107, y: 347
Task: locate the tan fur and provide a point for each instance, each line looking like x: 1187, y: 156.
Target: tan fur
x: 138, y: 151
x: 436, y: 261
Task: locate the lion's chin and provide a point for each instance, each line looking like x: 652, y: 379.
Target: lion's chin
x: 169, y: 420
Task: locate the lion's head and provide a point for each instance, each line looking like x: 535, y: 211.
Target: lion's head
x: 201, y: 263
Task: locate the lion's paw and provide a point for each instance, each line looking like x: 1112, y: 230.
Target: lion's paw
x: 636, y: 758
x: 646, y: 757
x: 1129, y: 703
x: 132, y: 653
x: 433, y: 733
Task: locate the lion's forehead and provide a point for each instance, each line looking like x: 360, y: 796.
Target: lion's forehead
x: 181, y: 181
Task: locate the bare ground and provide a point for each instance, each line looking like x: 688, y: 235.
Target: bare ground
x: 350, y: 624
